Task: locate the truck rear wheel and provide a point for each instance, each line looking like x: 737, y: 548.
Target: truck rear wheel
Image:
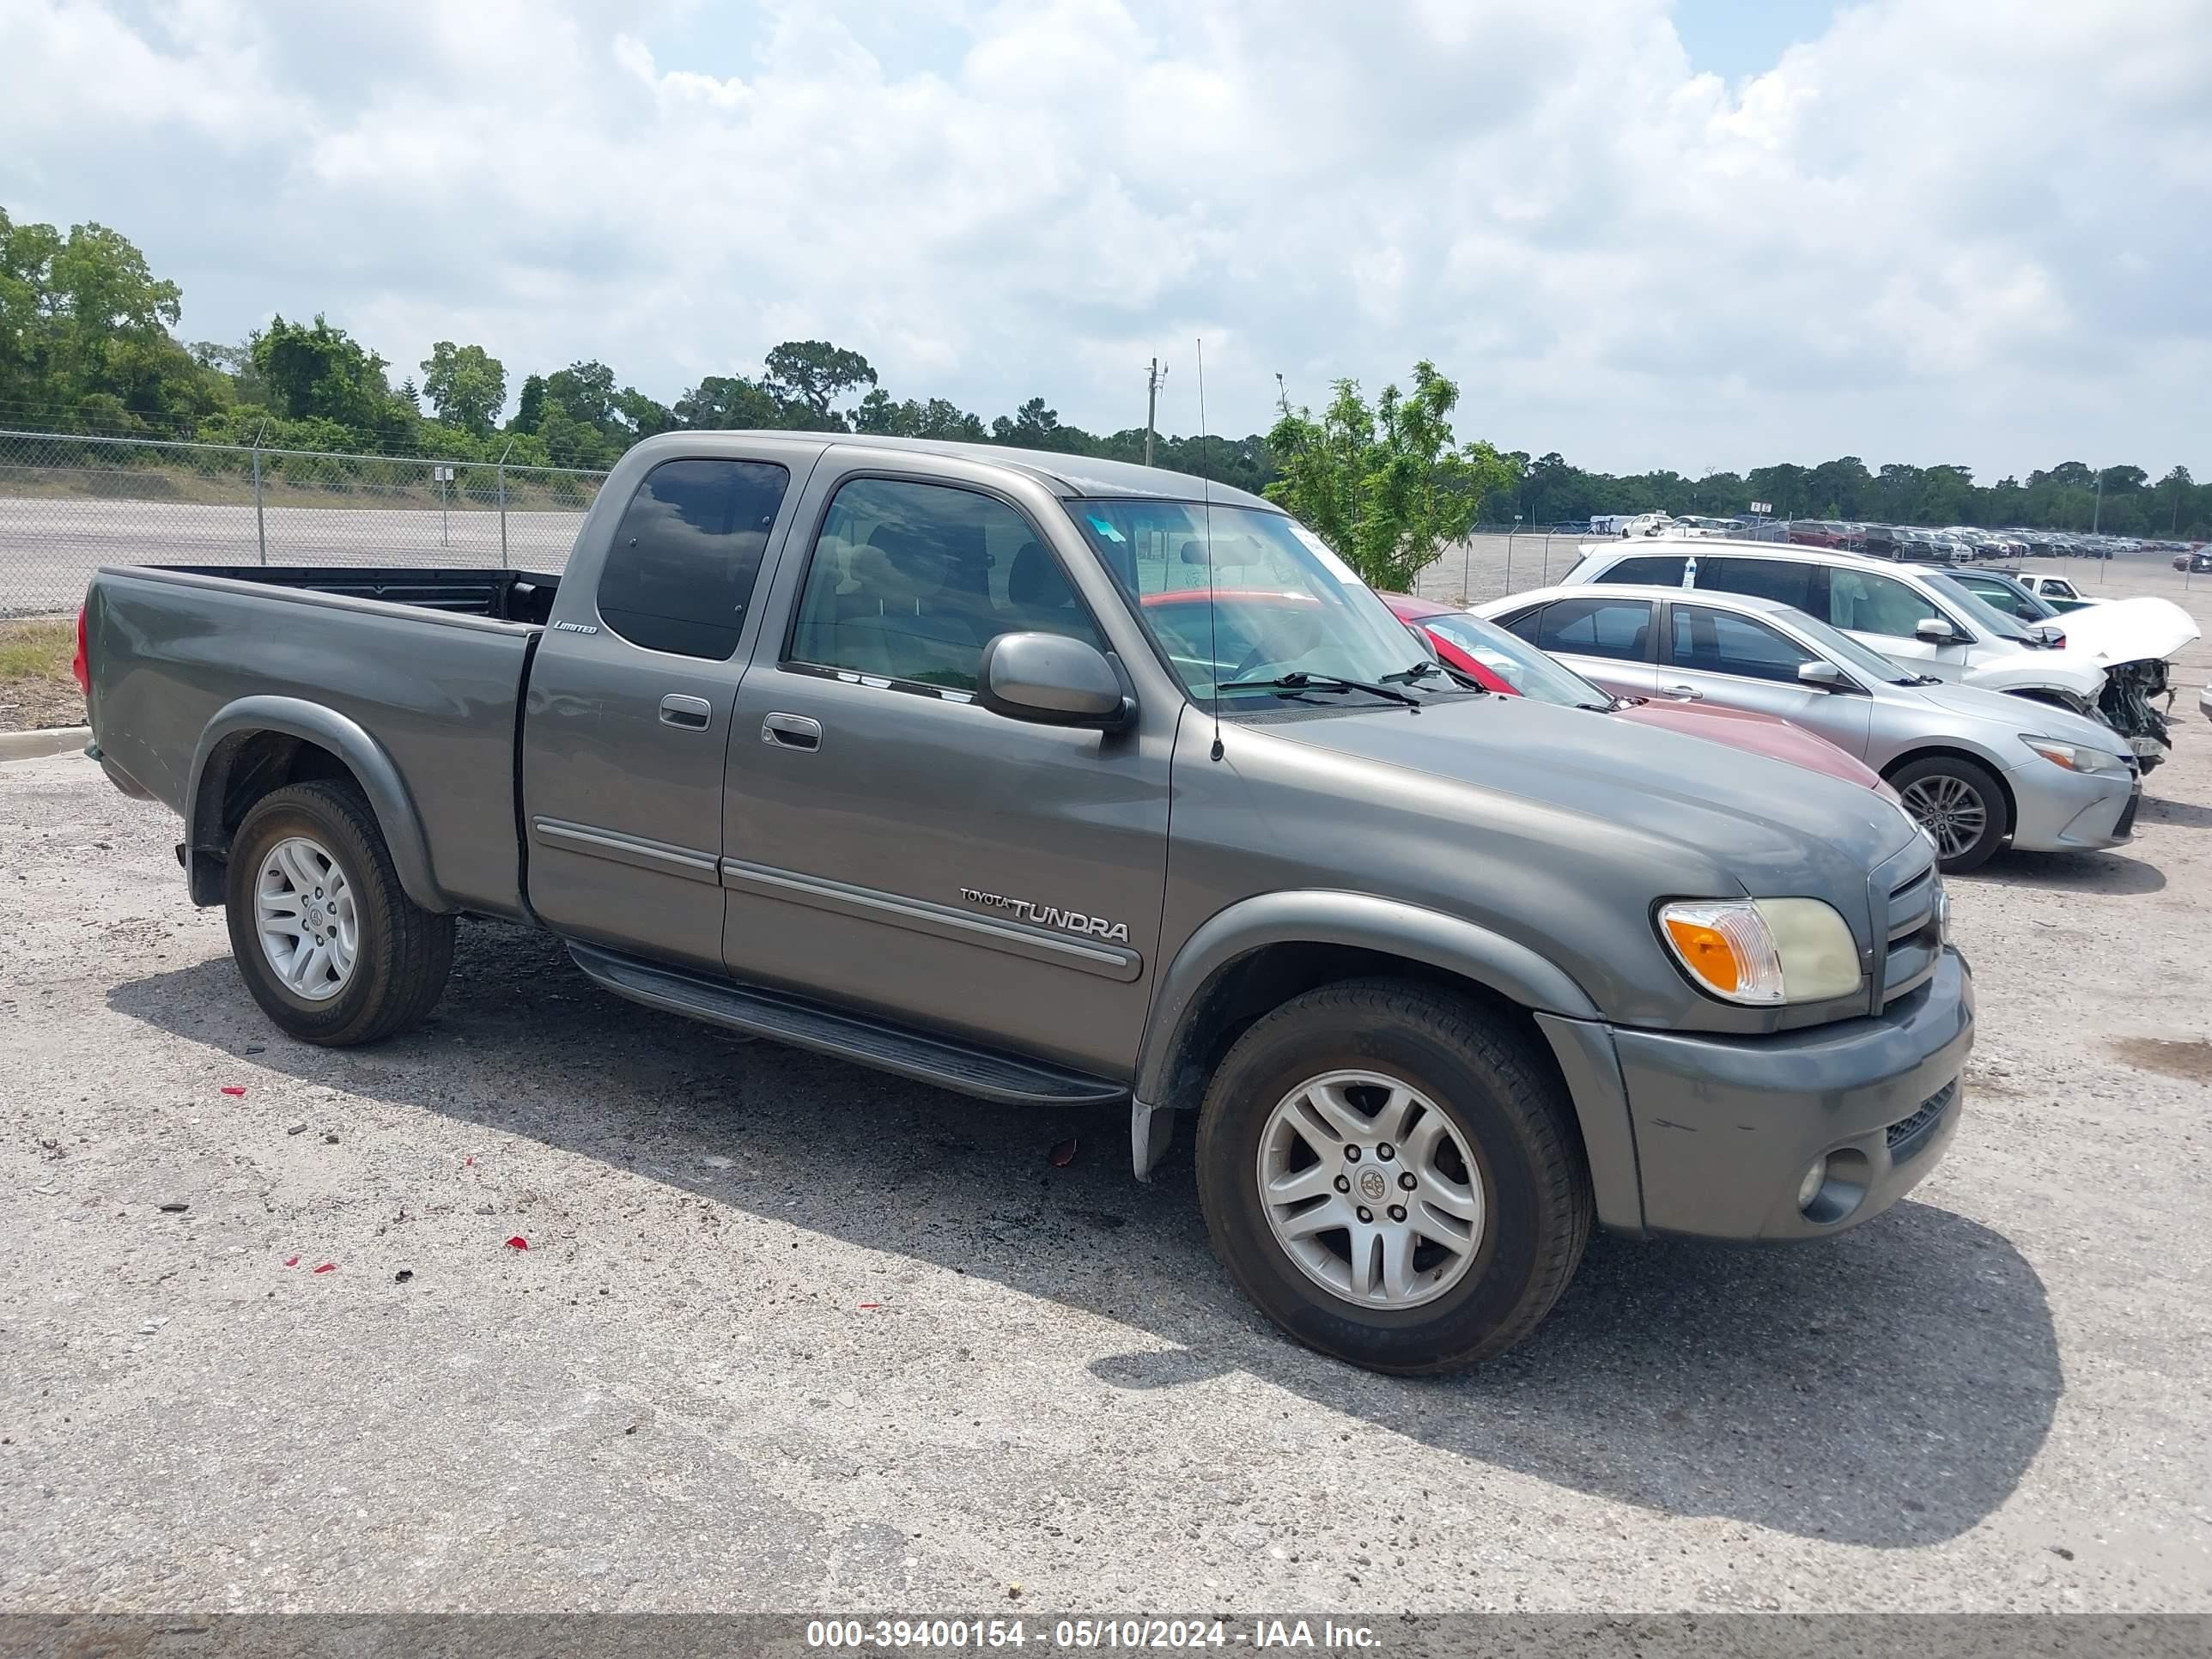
x: 1393, y: 1176
x: 329, y: 943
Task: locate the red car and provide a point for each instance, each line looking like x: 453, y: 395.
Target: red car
x: 1503, y: 662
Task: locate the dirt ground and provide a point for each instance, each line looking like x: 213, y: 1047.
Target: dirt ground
x: 36, y: 688
x: 792, y: 1334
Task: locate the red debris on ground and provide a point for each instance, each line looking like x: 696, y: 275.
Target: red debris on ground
x: 517, y: 1242
x: 232, y: 1089
x: 291, y: 1260
x: 1064, y: 1154
x: 328, y: 1268
x: 877, y: 1305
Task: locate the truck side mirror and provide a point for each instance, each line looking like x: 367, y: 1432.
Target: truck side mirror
x: 1049, y: 680
x: 1822, y: 676
x: 1935, y: 630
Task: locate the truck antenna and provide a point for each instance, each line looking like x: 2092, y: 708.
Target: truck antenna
x: 1213, y: 599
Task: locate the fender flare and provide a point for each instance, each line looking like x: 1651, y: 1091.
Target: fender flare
x: 1321, y: 916
x: 325, y: 727
x: 1568, y: 1020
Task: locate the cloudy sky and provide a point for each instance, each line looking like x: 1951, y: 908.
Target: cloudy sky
x: 1696, y: 233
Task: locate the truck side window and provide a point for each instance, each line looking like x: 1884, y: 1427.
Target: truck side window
x: 910, y: 581
x: 1620, y: 628
x: 680, y: 571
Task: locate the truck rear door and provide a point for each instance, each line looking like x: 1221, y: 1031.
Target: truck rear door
x: 627, y: 723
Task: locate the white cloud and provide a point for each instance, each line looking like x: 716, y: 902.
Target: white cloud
x: 1947, y: 229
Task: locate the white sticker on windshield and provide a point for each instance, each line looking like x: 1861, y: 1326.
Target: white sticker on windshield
x: 1322, y: 551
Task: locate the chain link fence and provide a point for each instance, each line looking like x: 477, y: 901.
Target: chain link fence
x: 70, y: 504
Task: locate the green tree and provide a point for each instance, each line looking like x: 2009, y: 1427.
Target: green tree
x: 529, y: 404
x: 320, y: 372
x: 812, y: 374
x: 728, y: 403
x: 1385, y: 487
x: 466, y: 385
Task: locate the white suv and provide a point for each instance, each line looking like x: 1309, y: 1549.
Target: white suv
x: 2110, y: 662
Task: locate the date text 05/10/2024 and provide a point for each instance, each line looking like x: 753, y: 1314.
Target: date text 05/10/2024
x: 1123, y: 1634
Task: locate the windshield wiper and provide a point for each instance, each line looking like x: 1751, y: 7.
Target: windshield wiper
x: 1298, y: 680
x: 1420, y: 670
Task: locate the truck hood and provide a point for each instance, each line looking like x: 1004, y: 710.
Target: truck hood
x: 1776, y: 828
x: 2146, y: 629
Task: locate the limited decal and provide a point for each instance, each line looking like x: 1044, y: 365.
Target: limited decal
x: 1051, y: 915
x: 575, y: 627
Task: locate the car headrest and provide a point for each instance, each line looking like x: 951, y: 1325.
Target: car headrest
x: 1036, y: 579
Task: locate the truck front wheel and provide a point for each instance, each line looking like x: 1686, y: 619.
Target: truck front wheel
x: 1393, y: 1175
x: 329, y: 943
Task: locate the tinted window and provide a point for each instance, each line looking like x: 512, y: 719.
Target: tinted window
x: 1860, y: 599
x: 1720, y: 642
x: 1619, y: 628
x: 1786, y: 580
x: 680, y: 571
x: 1646, y: 568
x: 911, y: 582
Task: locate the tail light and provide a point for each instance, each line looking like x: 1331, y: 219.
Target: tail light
x: 80, y: 665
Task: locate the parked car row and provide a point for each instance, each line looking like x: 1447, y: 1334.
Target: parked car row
x: 1060, y: 781
x: 1956, y: 544
x: 1998, y: 719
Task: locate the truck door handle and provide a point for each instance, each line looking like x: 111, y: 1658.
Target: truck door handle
x: 692, y: 714
x: 792, y: 732
x: 1684, y: 693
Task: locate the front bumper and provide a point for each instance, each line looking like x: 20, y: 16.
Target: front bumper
x: 2056, y: 811
x: 1726, y: 1127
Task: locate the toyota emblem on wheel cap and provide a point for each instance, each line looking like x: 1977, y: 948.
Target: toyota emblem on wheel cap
x: 1374, y: 1186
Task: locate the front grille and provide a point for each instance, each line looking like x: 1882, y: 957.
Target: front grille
x: 1911, y: 933
x: 1903, y: 1137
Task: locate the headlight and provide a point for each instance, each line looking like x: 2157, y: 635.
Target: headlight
x: 1764, y: 951
x: 2073, y: 757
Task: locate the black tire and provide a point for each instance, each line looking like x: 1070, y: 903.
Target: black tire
x: 1940, y: 773
x: 1506, y: 1104
x: 403, y: 951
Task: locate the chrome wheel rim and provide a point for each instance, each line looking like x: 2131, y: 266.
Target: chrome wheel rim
x: 1368, y: 1188
x: 304, y: 915
x: 1950, y: 809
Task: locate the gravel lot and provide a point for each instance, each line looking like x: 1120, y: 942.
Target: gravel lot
x: 789, y: 1334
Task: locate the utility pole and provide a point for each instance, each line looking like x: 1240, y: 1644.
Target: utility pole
x: 2097, y: 517
x: 1153, y: 377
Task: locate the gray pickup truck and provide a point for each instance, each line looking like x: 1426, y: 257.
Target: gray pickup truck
x: 1058, y: 782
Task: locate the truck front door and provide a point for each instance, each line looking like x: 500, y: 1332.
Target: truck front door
x: 627, y: 723
x: 891, y: 843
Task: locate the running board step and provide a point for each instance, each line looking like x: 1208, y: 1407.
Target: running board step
x: 782, y: 1018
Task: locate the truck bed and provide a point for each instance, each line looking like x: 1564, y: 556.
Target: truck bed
x: 431, y: 662
x: 523, y: 596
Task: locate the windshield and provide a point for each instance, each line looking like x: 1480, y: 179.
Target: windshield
x: 1516, y: 661
x: 1978, y: 612
x: 1282, y: 603
x: 1849, y: 653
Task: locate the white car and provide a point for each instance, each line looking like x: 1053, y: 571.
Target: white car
x: 2111, y: 661
x: 2057, y: 588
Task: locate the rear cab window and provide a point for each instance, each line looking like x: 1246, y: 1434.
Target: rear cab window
x: 686, y: 554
